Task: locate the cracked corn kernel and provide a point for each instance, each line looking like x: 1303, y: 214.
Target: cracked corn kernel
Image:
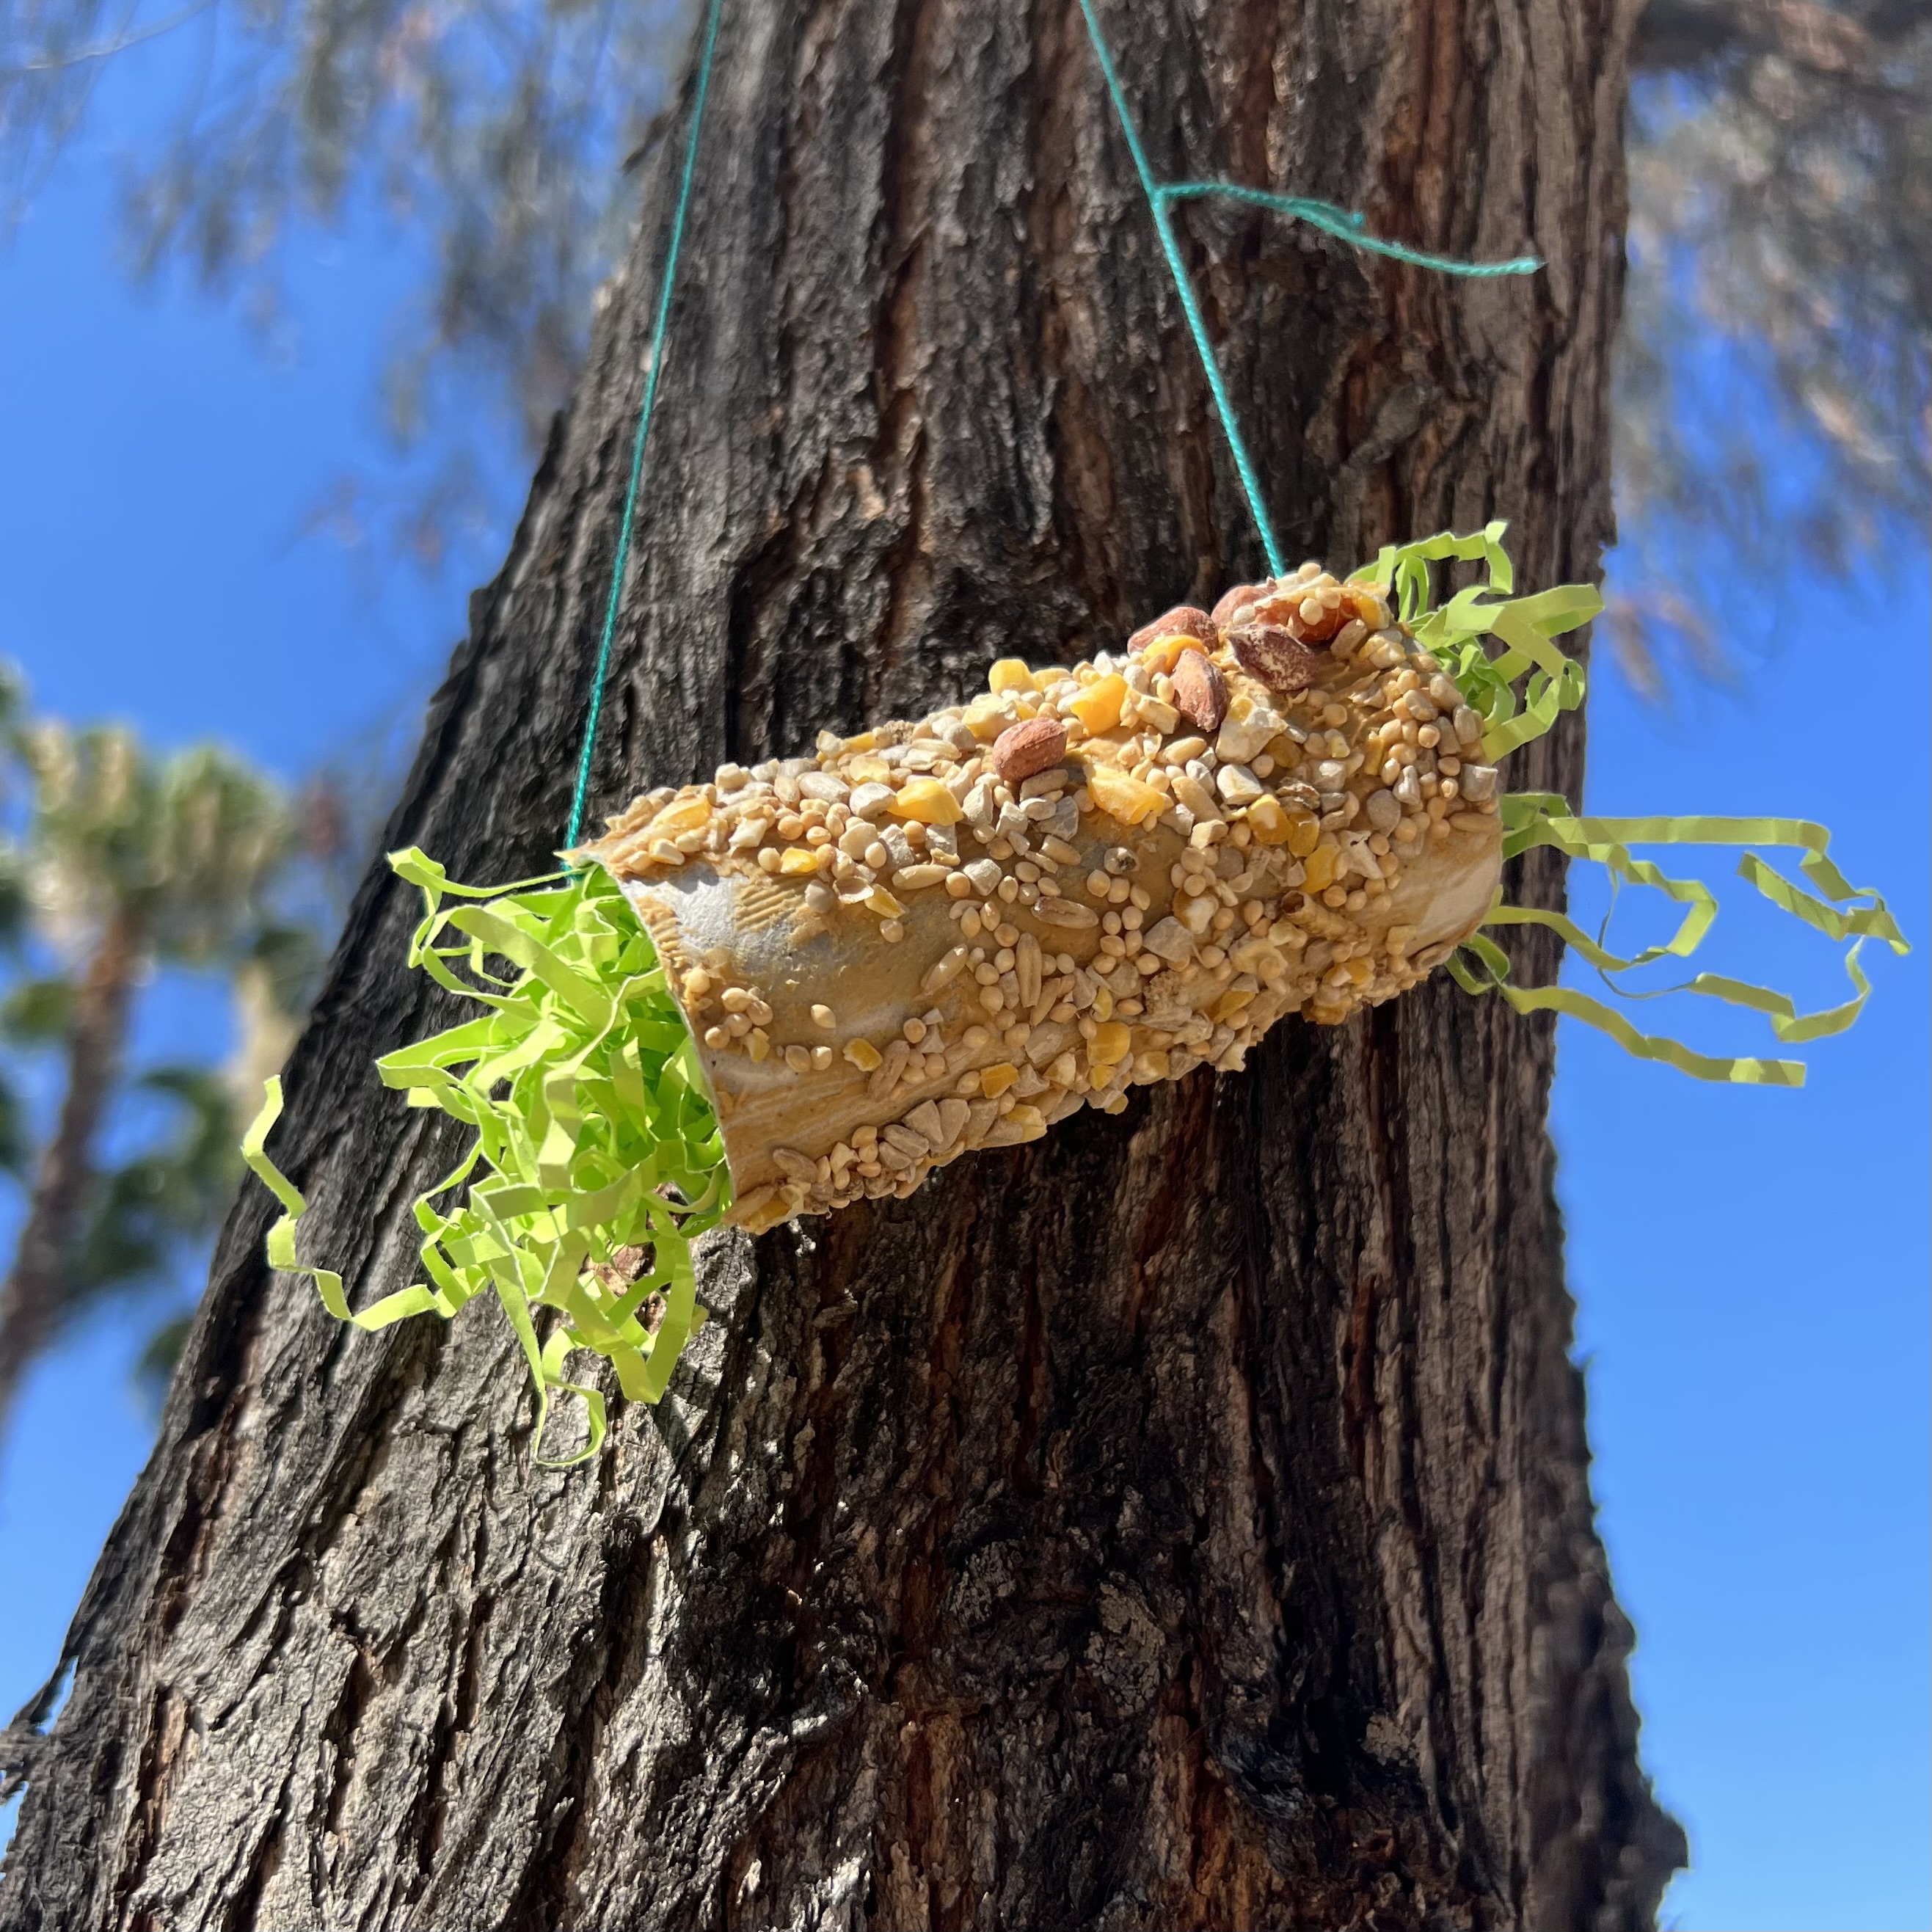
x: 995, y: 1080
x: 1098, y: 706
x: 928, y: 801
x: 1009, y: 674
x: 1124, y: 798
x: 986, y: 718
x: 1304, y: 833
x: 796, y: 861
x: 1109, y: 1044
x: 1267, y: 821
x: 1163, y: 652
x: 863, y: 1054
x: 684, y: 815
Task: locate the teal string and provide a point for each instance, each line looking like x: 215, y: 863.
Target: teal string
x: 1164, y: 227
x: 1346, y: 226
x: 651, y: 379
x: 1338, y: 222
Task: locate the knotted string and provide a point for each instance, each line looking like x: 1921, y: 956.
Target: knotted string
x: 1338, y: 222
x: 651, y: 379
x: 1346, y: 225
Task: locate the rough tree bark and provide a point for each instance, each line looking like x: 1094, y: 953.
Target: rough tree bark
x: 1183, y: 1522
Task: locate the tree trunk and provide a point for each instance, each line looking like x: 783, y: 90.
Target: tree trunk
x: 1182, y: 1522
x: 34, y: 1300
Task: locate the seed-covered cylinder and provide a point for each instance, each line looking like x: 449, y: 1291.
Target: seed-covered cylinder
x: 949, y: 934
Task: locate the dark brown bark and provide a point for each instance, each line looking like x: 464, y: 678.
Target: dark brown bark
x: 1184, y: 1522
x: 34, y: 1300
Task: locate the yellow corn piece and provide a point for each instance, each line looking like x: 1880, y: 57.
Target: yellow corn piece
x: 682, y: 814
x: 1098, y: 706
x: 928, y: 801
x: 1122, y: 797
x: 1268, y: 822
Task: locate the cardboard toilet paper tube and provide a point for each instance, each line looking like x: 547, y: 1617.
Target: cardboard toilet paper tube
x: 949, y: 934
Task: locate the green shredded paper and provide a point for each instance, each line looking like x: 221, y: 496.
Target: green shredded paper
x: 1526, y: 627
x: 598, y: 1160
x: 595, y: 1136
x: 1551, y: 684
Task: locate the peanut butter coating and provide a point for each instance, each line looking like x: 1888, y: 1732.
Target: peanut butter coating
x: 892, y: 951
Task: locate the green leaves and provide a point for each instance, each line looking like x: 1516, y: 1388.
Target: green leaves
x: 170, y: 1193
x: 597, y: 1160
x: 37, y: 1012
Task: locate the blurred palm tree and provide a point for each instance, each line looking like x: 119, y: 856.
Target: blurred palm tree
x: 122, y: 862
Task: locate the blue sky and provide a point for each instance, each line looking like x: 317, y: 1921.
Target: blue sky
x: 1750, y: 1266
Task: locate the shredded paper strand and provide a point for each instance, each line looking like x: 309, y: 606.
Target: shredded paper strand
x: 1551, y: 683
x: 596, y: 1137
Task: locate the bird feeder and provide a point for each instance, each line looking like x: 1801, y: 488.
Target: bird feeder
x: 949, y: 934
x: 812, y: 982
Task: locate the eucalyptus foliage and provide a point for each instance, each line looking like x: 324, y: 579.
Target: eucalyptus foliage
x: 1780, y: 164
x: 1780, y: 170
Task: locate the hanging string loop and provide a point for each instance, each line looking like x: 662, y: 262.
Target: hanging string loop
x: 1341, y: 222
x: 1344, y: 225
